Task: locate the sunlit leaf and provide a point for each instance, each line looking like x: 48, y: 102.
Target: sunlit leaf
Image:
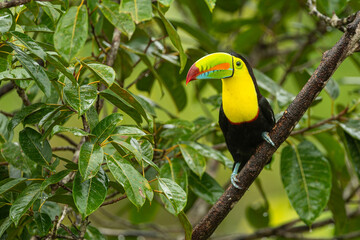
x: 30, y: 44
x: 174, y: 193
x: 90, y: 159
x: 6, y: 19
x: 71, y: 32
x: 104, y: 73
x: 80, y: 98
x: 140, y: 10
x: 76, y: 131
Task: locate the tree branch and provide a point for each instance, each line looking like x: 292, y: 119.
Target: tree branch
x: 329, y: 63
x: 14, y: 3
x: 6, y: 88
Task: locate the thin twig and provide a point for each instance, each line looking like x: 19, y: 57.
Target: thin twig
x: 6, y: 113
x: 6, y: 88
x: 66, y: 138
x: 64, y: 148
x: 114, y: 200
x: 23, y: 96
x: 318, y: 124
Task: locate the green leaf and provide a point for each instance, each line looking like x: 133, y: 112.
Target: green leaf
x: 140, y: 10
x: 6, y: 223
x: 205, y: 187
x: 147, y: 152
x: 59, y: 66
x: 71, y: 32
x: 8, y: 183
x: 90, y: 194
x: 258, y: 215
x: 352, y: 127
x: 175, y: 39
x: 211, y: 153
x: 331, y: 6
x: 34, y: 70
x: 106, y: 126
x: 194, y: 159
x: 336, y: 205
x: 12, y: 153
x: 120, y: 20
x: 332, y: 89
x: 306, y: 176
x: 80, y: 98
x: 186, y: 225
x: 176, y: 172
x: 166, y: 3
x: 38, y: 28
x: 129, y: 98
x: 136, y: 187
x: 211, y: 4
x: 55, y: 178
x: 353, y: 151
x: 93, y: 233
x: 90, y: 159
x: 266, y: 83
x: 24, y: 201
x: 130, y: 148
x: 104, y: 73
x: 22, y: 114
x: 76, y: 131
x: 30, y: 44
x: 37, y: 150
x: 43, y: 223
x: 130, y: 131
x: 6, y: 19
x: 15, y: 74
x: 174, y: 193
x: 122, y: 105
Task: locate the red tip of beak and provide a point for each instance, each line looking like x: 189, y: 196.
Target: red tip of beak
x: 192, y: 73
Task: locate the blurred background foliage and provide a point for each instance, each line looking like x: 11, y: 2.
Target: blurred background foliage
x: 100, y: 138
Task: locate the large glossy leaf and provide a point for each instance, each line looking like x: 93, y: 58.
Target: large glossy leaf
x: 147, y: 153
x: 5, y: 225
x: 12, y: 153
x: 205, y: 187
x: 6, y: 19
x: 15, y: 74
x: 90, y: 194
x: 306, y: 176
x: 37, y: 150
x: 193, y: 158
x: 90, y: 159
x: 71, y: 32
x: 140, y: 10
x: 80, y: 98
x: 8, y: 183
x: 173, y: 193
x: 30, y: 44
x: 104, y: 73
x: 175, y: 39
x: 136, y: 187
x: 34, y: 70
x: 120, y: 20
x: 93, y: 233
x: 24, y: 201
x: 176, y: 172
x: 106, y: 126
x: 131, y: 149
x: 55, y: 178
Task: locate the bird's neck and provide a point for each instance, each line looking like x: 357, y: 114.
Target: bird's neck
x: 239, y: 98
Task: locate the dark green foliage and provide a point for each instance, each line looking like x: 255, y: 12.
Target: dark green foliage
x: 94, y: 120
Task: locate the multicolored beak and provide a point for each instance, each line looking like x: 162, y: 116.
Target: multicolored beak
x: 212, y: 66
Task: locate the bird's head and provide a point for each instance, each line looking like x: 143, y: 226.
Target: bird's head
x: 216, y: 66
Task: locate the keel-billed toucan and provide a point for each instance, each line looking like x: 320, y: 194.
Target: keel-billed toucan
x: 245, y: 115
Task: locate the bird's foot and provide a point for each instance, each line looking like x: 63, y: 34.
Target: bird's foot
x: 233, y: 178
x: 266, y: 137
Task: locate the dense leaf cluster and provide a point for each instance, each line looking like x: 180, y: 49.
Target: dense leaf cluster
x: 81, y: 70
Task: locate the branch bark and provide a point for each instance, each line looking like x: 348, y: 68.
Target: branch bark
x: 14, y: 3
x: 331, y: 60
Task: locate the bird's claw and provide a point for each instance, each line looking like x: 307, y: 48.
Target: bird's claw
x: 266, y: 137
x: 233, y: 180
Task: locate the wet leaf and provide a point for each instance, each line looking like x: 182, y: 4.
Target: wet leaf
x: 43, y: 223
x: 90, y: 194
x: 71, y: 32
x: 90, y: 159
x: 106, y: 126
x: 104, y: 73
x: 193, y: 158
x: 8, y: 183
x: 140, y: 10
x: 174, y: 193
x: 80, y: 98
x: 306, y: 176
x: 30, y: 44
x: 6, y: 19
x: 205, y: 187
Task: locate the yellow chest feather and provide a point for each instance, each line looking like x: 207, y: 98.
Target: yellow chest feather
x: 239, y: 97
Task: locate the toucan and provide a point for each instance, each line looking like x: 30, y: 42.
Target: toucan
x: 245, y: 116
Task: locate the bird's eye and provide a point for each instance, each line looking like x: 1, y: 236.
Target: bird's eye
x: 238, y: 63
